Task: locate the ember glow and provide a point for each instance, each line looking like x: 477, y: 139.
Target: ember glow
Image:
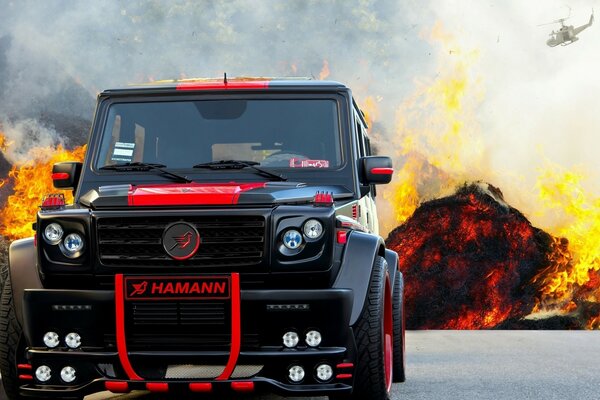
x: 31, y: 181
x: 484, y: 266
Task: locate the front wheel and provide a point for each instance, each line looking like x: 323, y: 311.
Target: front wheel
x: 10, y: 341
x: 374, y: 338
x: 399, y: 328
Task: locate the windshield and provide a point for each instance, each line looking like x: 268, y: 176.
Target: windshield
x: 278, y: 133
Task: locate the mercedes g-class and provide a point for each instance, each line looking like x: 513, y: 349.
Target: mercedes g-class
x: 223, y: 238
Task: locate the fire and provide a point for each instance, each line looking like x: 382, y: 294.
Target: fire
x: 324, y: 74
x: 31, y: 181
x: 439, y: 145
x: 576, y: 260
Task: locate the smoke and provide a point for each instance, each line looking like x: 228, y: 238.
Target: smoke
x: 531, y: 103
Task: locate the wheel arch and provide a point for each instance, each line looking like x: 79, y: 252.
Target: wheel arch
x: 22, y: 272
x: 357, y: 264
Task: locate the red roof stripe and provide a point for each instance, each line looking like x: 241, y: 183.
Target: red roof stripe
x: 223, y: 85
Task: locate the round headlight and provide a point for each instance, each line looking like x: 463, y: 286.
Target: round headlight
x: 51, y: 339
x: 68, y: 374
x: 73, y: 340
x: 53, y: 233
x: 292, y: 239
x: 72, y: 245
x: 43, y: 373
x: 290, y: 339
x: 313, y: 338
x: 324, y: 372
x: 296, y: 373
x: 313, y: 229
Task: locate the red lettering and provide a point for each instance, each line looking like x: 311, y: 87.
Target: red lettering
x: 195, y: 288
x: 168, y: 288
x: 207, y: 287
x: 157, y: 287
x: 220, y: 287
x: 182, y: 287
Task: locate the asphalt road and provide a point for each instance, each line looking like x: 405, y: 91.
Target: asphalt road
x: 512, y: 365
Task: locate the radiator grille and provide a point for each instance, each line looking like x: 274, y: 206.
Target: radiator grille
x: 225, y: 241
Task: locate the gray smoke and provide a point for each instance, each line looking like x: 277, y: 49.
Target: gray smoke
x: 55, y: 55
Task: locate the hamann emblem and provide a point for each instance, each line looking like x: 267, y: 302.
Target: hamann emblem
x: 181, y: 240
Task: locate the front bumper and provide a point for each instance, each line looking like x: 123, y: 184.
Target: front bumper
x: 122, y: 351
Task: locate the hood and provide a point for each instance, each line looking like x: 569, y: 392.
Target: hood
x: 208, y: 194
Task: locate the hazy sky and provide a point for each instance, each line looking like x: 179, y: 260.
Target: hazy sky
x: 532, y: 101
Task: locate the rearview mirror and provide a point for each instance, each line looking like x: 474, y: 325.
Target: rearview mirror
x: 65, y: 175
x: 376, y: 170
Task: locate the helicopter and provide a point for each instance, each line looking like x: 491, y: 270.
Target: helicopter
x: 566, y: 35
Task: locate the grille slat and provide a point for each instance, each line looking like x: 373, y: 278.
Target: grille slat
x: 225, y: 241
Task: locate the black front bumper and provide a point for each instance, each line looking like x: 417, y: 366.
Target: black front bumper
x: 175, y: 359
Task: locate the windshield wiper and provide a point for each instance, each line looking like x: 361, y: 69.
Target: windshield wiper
x: 239, y: 164
x: 140, y: 166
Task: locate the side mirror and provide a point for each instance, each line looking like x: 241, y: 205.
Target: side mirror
x: 376, y: 170
x: 65, y: 175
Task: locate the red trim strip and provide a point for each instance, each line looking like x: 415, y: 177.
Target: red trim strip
x: 24, y: 366
x: 223, y: 85
x: 26, y: 377
x: 190, y: 194
x: 342, y: 238
x: 116, y: 387
x: 58, y: 176
x: 120, y: 325
x: 343, y: 376
x: 236, y: 328
x: 345, y: 365
x: 157, y: 387
x: 243, y: 387
x: 382, y: 171
x: 201, y: 387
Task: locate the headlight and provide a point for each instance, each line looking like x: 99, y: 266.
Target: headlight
x: 313, y: 229
x: 72, y: 246
x: 292, y: 239
x: 53, y: 233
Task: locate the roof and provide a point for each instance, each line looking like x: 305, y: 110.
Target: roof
x: 220, y: 84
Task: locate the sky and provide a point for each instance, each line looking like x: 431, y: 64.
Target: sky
x: 528, y: 104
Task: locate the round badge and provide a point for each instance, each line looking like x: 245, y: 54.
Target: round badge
x: 181, y: 240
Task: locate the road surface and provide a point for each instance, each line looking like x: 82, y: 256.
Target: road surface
x: 511, y: 365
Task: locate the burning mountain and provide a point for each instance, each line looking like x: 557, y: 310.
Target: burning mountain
x: 470, y: 260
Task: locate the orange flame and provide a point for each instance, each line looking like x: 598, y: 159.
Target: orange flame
x: 31, y: 181
x: 439, y: 146
x: 324, y: 71
x: 576, y: 259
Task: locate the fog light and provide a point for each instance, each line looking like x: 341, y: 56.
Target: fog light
x: 53, y: 233
x: 73, y: 340
x: 290, y: 339
x: 296, y: 374
x: 67, y: 374
x: 313, y: 229
x: 72, y: 245
x: 51, y: 339
x: 324, y: 372
x: 43, y: 373
x: 313, y: 338
x: 292, y: 239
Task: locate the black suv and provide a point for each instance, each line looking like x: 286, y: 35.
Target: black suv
x: 223, y: 239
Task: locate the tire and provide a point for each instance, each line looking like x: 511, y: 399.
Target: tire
x: 10, y: 340
x: 399, y: 329
x: 373, y: 378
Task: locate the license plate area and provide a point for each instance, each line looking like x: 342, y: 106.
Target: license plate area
x: 175, y: 313
x: 169, y: 288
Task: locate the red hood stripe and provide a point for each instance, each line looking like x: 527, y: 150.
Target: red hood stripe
x: 190, y: 194
x: 223, y: 85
